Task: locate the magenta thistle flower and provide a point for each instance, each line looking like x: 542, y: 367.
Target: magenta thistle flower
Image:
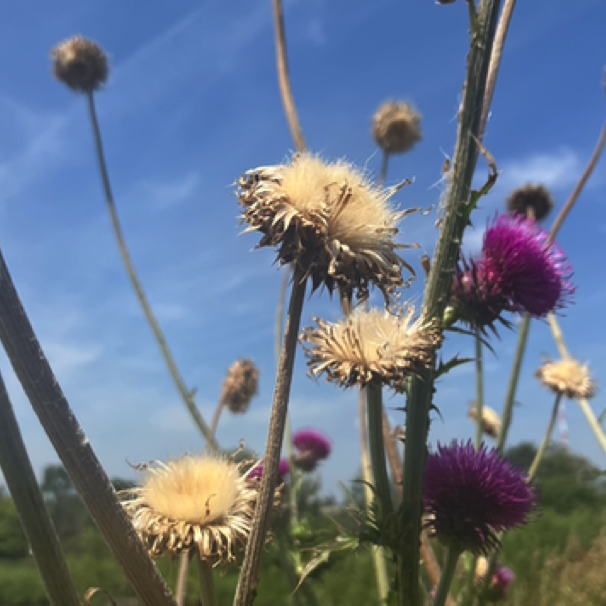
x: 312, y: 448
x: 470, y: 496
x: 283, y: 471
x: 503, y: 577
x: 533, y: 273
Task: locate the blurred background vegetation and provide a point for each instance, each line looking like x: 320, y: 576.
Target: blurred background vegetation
x: 558, y: 560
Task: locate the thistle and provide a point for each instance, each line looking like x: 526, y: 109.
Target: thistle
x: 396, y: 127
x: 204, y: 504
x: 371, y: 347
x: 491, y: 421
x: 80, y: 64
x: 312, y: 448
x: 534, y: 201
x: 283, y: 471
x: 471, y: 496
x: 568, y: 378
x: 329, y: 221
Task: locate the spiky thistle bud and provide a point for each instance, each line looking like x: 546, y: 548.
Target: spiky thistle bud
x: 240, y: 386
x: 535, y: 198
x: 329, y: 220
x: 396, y: 127
x: 568, y: 378
x: 371, y: 346
x: 80, y: 64
x: 312, y: 447
x: 205, y: 504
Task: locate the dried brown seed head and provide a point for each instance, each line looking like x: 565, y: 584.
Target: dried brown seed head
x: 240, y: 386
x: 200, y: 503
x: 569, y: 378
x: 396, y: 127
x: 329, y: 220
x: 491, y: 421
x: 80, y: 64
x: 371, y: 347
x: 534, y: 197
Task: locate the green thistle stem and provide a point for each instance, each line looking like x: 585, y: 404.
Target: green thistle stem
x: 479, y: 389
x: 208, y: 592
x: 379, y: 562
x: 552, y: 421
x: 448, y: 572
x: 36, y: 523
x: 136, y: 282
x: 384, y: 169
x: 514, y: 379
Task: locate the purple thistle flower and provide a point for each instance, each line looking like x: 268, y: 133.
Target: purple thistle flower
x: 312, y: 448
x: 503, y: 577
x: 471, y: 496
x: 283, y: 471
x: 533, y: 273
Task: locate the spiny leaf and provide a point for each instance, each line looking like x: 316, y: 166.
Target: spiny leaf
x: 471, y: 333
x: 445, y: 368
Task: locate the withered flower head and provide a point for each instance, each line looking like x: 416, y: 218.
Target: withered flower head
x: 371, y: 346
x: 569, y: 378
x: 240, y: 386
x: 534, y: 197
x: 396, y: 127
x: 491, y: 421
x: 329, y: 220
x: 80, y: 64
x: 201, y: 503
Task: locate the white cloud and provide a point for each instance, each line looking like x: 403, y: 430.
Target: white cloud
x: 560, y: 169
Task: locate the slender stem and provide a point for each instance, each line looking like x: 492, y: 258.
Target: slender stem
x: 532, y: 472
x: 448, y: 572
x: 72, y: 446
x: 384, y: 169
x: 438, y: 290
x: 208, y: 592
x: 495, y: 62
x: 284, y: 77
x: 574, y: 196
x: 514, y: 379
x: 136, y: 282
x: 216, y: 418
x: 181, y: 592
x: 479, y: 389
x: 558, y: 336
x: 374, y: 404
x: 593, y: 422
x: 249, y: 576
x: 377, y: 556
x: 36, y: 522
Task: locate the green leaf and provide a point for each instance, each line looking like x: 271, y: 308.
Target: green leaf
x: 445, y: 368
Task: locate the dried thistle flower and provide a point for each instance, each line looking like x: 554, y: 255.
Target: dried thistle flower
x: 329, y: 220
x: 534, y: 197
x: 80, y: 64
x: 491, y: 421
x: 568, y: 378
x: 240, y: 386
x: 396, y: 127
x: 201, y: 503
x: 471, y: 496
x: 372, y: 346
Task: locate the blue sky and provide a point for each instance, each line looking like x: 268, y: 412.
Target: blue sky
x: 192, y: 103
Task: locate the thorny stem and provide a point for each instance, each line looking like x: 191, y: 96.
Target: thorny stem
x: 378, y: 559
x: 72, y: 446
x: 208, y: 592
x: 136, y: 282
x: 495, y: 62
x: 37, y: 525
x: 438, y: 290
x: 532, y: 472
x: 284, y: 77
x: 450, y: 567
x: 249, y: 575
x: 395, y: 463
